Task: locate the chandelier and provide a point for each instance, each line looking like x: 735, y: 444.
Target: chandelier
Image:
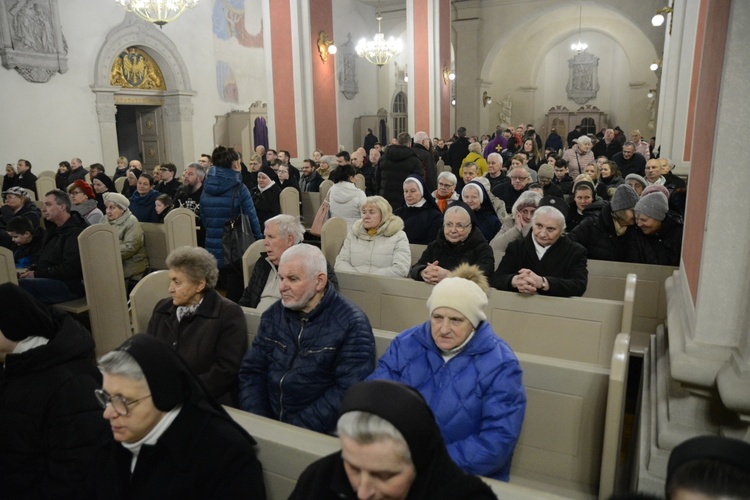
x: 158, y: 12
x: 379, y: 51
x: 579, y: 47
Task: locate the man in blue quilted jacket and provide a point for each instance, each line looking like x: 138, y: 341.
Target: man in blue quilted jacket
x: 311, y: 346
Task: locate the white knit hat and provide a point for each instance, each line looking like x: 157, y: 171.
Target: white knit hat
x: 460, y: 294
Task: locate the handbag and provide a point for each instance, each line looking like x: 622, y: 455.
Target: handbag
x: 321, y: 216
x: 237, y: 235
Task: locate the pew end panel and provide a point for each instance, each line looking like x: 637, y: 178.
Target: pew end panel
x: 332, y: 238
x: 416, y: 252
x: 289, y: 200
x: 180, y: 228
x: 7, y: 267
x: 250, y: 257
x: 155, y: 241
x: 145, y: 295
x: 310, y: 205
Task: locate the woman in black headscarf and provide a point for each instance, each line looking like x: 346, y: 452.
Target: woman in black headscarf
x: 170, y: 438
x: 51, y: 422
x: 391, y: 447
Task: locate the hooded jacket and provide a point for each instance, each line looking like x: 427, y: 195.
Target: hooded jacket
x: 300, y: 366
x: 394, y: 167
x: 346, y: 200
x: 216, y: 207
x: 477, y: 396
x: 597, y: 234
x: 385, y: 254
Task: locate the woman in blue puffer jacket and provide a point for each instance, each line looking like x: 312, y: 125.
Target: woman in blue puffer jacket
x: 223, y: 183
x: 469, y: 377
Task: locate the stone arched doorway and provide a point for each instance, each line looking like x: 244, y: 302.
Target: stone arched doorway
x: 175, y: 102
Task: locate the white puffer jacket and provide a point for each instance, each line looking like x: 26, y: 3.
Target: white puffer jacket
x: 385, y: 254
x: 346, y: 199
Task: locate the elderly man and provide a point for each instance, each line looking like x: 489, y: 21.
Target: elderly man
x: 135, y: 165
x: 510, y: 191
x: 311, y: 346
x: 469, y: 172
x: 609, y: 146
x: 629, y: 161
x: 446, y: 190
x: 495, y: 173
x: 26, y: 179
x: 58, y: 276
x: 280, y: 234
x: 189, y: 196
x: 76, y: 170
x: 545, y: 261
x: 653, y: 173
x: 641, y: 146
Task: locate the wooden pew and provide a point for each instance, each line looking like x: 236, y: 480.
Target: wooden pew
x: 332, y: 238
x: 289, y: 200
x: 310, y: 205
x: 7, y: 267
x: 160, y: 239
x: 574, y: 329
x: 145, y: 295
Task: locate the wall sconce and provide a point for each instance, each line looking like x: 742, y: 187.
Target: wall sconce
x: 486, y: 99
x: 448, y: 75
x: 325, y: 46
x: 651, y: 93
x: 655, y: 65
x: 659, y: 19
x: 453, y: 102
x: 406, y: 78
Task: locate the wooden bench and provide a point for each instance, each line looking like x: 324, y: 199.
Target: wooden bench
x: 7, y: 267
x: 160, y: 239
x: 574, y: 329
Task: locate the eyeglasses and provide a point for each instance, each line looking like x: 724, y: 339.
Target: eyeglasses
x: 456, y: 225
x: 516, y: 178
x: 119, y: 403
x: 444, y: 185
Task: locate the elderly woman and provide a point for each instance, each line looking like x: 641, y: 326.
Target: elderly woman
x: 130, y: 234
x: 52, y: 424
x: 128, y: 189
x: 392, y: 448
x: 18, y: 203
x: 326, y: 164
x: 376, y: 244
x: 142, y: 201
x: 518, y: 224
x: 170, y: 439
x: 605, y: 234
x: 476, y: 197
x: 579, y: 156
x: 446, y: 190
x: 474, y: 156
x: 206, y: 329
x: 83, y: 201
x: 659, y: 239
x: 545, y: 262
x: 422, y: 218
x: 469, y: 376
x: 460, y: 241
x: 266, y: 195
x: 344, y: 197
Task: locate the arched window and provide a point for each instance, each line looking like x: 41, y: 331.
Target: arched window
x: 399, y: 114
x: 588, y: 126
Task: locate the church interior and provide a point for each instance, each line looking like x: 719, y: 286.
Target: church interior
x: 90, y: 80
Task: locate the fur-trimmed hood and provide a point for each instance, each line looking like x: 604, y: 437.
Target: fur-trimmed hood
x: 390, y: 226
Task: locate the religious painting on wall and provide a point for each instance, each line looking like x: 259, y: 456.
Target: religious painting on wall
x: 583, y: 77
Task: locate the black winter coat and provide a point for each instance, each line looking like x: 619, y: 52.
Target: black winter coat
x: 597, y: 234
x: 261, y: 272
x: 428, y: 166
x: 473, y: 250
x: 394, y: 167
x: 663, y: 248
x: 200, y: 456
x: 421, y: 224
x: 564, y: 266
x: 212, y: 341
x: 267, y: 203
x: 60, y: 258
x: 51, y: 424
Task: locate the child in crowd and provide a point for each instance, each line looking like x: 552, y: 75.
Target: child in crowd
x: 27, y: 241
x: 163, y: 204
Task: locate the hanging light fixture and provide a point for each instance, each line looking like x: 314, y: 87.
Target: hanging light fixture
x: 158, y: 12
x: 579, y: 47
x: 379, y: 51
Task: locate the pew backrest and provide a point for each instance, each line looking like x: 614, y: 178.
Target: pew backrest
x: 179, y: 225
x: 310, y: 205
x: 332, y: 238
x: 119, y: 183
x: 7, y: 267
x: 145, y: 295
x: 249, y: 258
x: 155, y: 241
x: 416, y: 252
x: 45, y: 184
x: 324, y: 187
x: 289, y: 200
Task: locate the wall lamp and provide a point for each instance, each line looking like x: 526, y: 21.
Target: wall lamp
x: 448, y: 75
x: 655, y: 65
x: 486, y: 99
x: 651, y: 93
x: 659, y: 18
x: 325, y: 46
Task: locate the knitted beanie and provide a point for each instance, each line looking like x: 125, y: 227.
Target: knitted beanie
x: 460, y: 294
x: 117, y: 199
x: 625, y: 197
x: 638, y: 178
x: 654, y: 188
x: 654, y: 205
x: 546, y: 171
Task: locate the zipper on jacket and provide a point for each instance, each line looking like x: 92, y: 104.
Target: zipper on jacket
x: 281, y: 382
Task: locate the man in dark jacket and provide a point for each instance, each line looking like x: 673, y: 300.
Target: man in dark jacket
x: 311, y: 346
x: 280, y: 234
x: 458, y: 151
x: 608, y: 146
x: 168, y: 184
x: 398, y: 163
x: 51, y: 422
x: 58, y: 276
x: 310, y: 180
x: 561, y: 269
x: 25, y: 178
x: 370, y: 140
x: 421, y: 148
x: 630, y: 162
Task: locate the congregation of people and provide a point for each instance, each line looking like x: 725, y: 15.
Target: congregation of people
x: 444, y: 404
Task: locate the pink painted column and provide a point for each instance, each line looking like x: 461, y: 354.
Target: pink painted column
x: 444, y: 54
x: 324, y: 79
x: 421, y: 72
x: 284, y: 121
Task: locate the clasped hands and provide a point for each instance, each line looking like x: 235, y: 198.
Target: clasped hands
x: 433, y: 273
x: 527, y: 281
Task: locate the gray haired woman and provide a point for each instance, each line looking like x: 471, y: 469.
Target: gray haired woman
x: 206, y: 329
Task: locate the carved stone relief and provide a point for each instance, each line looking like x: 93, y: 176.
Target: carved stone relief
x: 347, y: 58
x: 583, y: 77
x: 31, y: 39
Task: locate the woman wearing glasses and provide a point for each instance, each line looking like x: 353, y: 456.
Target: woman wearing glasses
x: 459, y: 241
x: 51, y: 422
x: 170, y: 439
